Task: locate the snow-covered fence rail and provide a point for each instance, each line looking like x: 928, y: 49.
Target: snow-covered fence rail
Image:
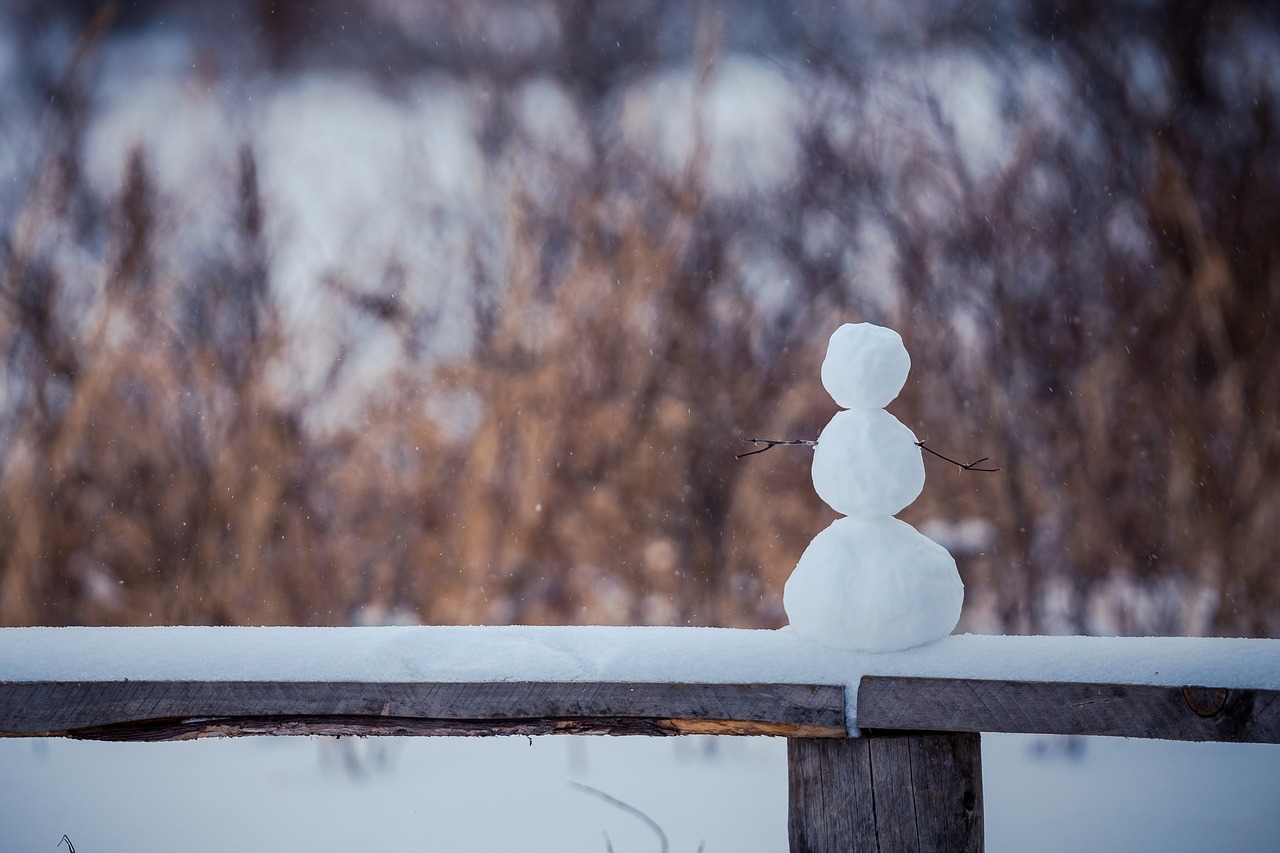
x: 1189, y: 713
x: 178, y: 710
x: 911, y: 780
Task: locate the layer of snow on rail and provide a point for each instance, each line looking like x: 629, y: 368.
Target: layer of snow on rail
x: 519, y: 653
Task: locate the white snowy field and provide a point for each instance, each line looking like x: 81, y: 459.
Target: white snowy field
x: 486, y: 794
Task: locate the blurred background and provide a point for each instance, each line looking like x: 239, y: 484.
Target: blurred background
x: 342, y: 312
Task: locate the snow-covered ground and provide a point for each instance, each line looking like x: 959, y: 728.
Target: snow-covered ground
x: 485, y: 794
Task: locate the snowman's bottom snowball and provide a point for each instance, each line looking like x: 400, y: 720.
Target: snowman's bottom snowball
x: 875, y: 585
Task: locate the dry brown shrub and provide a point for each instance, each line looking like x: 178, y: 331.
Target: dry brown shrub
x: 1096, y: 313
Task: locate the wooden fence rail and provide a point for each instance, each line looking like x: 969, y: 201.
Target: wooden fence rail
x: 910, y: 780
x: 1190, y: 713
x: 179, y: 710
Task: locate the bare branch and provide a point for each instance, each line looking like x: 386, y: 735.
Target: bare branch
x: 774, y: 442
x: 971, y: 466
x: 630, y: 809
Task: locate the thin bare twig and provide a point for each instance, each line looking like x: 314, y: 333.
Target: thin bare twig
x: 774, y: 442
x: 630, y: 809
x: 770, y: 443
x: 71, y: 848
x: 972, y: 466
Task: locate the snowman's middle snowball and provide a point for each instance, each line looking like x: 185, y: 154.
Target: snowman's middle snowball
x: 867, y: 464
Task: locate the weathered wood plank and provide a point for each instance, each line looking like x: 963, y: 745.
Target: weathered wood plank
x: 886, y: 792
x: 831, y: 804
x: 149, y: 710
x: 895, y: 798
x: 1123, y: 710
x: 196, y: 727
x: 946, y: 783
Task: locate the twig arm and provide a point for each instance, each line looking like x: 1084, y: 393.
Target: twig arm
x: 971, y: 466
x: 770, y: 443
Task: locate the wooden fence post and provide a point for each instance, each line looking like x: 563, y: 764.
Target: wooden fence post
x: 890, y: 791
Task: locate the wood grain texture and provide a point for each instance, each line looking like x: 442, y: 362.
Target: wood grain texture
x: 1124, y: 710
x: 946, y: 786
x: 890, y: 792
x: 164, y: 710
x: 895, y: 799
x: 831, y: 805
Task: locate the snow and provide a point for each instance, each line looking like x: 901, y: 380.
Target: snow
x: 611, y: 654
x: 874, y: 584
x: 867, y: 464
x: 865, y: 367
x: 470, y: 795
x: 743, y: 119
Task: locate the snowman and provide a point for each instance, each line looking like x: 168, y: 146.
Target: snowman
x: 870, y: 581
